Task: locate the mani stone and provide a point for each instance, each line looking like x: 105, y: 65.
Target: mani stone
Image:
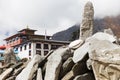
x: 86, y: 27
x: 109, y: 31
x: 86, y: 76
x: 102, y: 36
x: 39, y: 74
x: 6, y: 73
x: 93, y: 40
x: 67, y: 66
x: 81, y: 52
x: 98, y: 50
x: 105, y: 58
x: 28, y: 72
x: 75, y: 44
x: 9, y: 56
x: 78, y: 69
x: 54, y: 63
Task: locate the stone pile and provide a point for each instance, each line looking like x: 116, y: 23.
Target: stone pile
x: 96, y: 58
x: 92, y: 57
x: 57, y: 65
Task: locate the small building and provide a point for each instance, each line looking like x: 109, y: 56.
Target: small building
x: 27, y: 43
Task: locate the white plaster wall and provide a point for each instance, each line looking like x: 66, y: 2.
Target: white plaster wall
x: 33, y: 49
x: 0, y: 64
x: 42, y: 51
x: 25, y: 53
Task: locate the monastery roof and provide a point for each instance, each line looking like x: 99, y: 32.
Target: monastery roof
x: 20, y: 34
x: 27, y: 29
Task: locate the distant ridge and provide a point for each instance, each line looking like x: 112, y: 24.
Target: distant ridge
x: 72, y: 33
x: 66, y: 35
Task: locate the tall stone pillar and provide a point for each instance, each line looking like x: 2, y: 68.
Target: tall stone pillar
x: 86, y: 27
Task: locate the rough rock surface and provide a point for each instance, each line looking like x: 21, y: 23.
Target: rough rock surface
x: 54, y: 63
x: 9, y: 56
x: 86, y: 28
x: 109, y: 31
x: 98, y: 58
x: 80, y: 53
x: 105, y: 60
x: 39, y: 74
x: 75, y: 44
x: 67, y: 66
x: 90, y: 41
x: 6, y: 73
x: 31, y: 68
x: 99, y: 48
x: 103, y: 36
x: 86, y: 76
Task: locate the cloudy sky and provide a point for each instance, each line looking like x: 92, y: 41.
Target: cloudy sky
x: 50, y: 15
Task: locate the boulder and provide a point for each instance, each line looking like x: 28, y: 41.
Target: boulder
x: 16, y: 66
x: 107, y: 65
x: 39, y: 74
x: 17, y: 71
x: 93, y: 40
x: 81, y: 52
x: 67, y: 66
x: 99, y: 48
x: 54, y: 63
x: 75, y: 44
x: 78, y: 69
x: 86, y: 27
x: 104, y: 54
x: 89, y: 64
x: 6, y: 73
x: 109, y: 31
x: 9, y: 56
x: 11, y: 78
x: 68, y: 76
x: 86, y: 76
x: 28, y: 72
x: 103, y: 36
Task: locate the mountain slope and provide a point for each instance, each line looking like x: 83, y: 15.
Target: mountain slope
x: 99, y: 25
x: 66, y: 35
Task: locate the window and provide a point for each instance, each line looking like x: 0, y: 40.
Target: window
x: 1, y: 55
x: 3, y: 63
x: 38, y: 52
x: 17, y: 38
x: 38, y: 45
x: 13, y: 39
x: 25, y: 47
x: 45, y: 53
x: 55, y: 46
x: 7, y: 42
x: 29, y: 52
x: 16, y: 49
x: 45, y: 46
x: 29, y: 45
x: 29, y: 57
x: 10, y: 41
x: 24, y: 37
x: 21, y: 48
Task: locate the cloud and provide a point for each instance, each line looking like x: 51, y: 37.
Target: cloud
x: 106, y: 7
x: 50, y: 15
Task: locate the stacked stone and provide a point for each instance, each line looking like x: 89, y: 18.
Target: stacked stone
x: 57, y: 65
x: 96, y: 58
x: 92, y: 57
x: 86, y: 27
